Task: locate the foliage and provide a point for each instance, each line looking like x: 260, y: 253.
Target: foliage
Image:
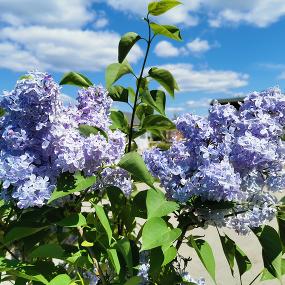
x: 72, y: 207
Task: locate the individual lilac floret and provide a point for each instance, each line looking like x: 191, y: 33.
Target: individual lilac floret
x: 232, y: 156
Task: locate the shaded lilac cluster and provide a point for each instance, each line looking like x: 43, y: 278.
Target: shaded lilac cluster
x: 232, y: 155
x: 39, y: 138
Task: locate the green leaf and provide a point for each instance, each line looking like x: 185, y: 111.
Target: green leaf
x: 281, y: 226
x: 124, y: 247
x: 157, y: 205
x: 70, y: 183
x: 164, y: 78
x: 104, y: 221
x: 205, y: 253
x: 48, y: 251
x: 169, y: 254
x: 73, y: 221
x: 171, y: 32
x: 119, y: 93
x: 113, y: 256
x: 242, y: 261
x: 61, y: 279
x: 134, y: 164
x: 18, y: 233
x: 157, y: 122
x: 160, y: 7
x: 136, y: 280
x: 126, y: 43
x: 119, y: 121
x: 75, y: 78
x: 87, y: 130
x: 271, y: 250
x: 157, y: 102
x: 229, y: 248
x: 2, y: 112
x: 26, y: 77
x: 115, y: 71
x: 86, y: 243
x: 156, y: 233
x: 268, y: 276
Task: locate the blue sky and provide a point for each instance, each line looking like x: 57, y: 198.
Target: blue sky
x: 229, y: 48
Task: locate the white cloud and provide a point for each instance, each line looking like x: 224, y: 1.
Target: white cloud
x: 59, y: 49
x: 260, y: 13
x: 195, y: 47
x: 281, y: 76
x: 166, y: 49
x: 67, y: 99
x: 208, y: 80
x: 178, y: 15
x: 64, y: 13
x: 198, y: 46
x: 200, y: 103
x: 174, y: 109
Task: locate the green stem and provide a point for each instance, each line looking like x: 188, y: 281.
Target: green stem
x: 138, y: 86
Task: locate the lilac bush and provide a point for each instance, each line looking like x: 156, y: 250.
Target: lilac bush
x: 79, y: 204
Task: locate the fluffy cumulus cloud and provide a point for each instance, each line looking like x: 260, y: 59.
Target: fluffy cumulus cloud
x: 208, y: 80
x: 59, y: 49
x: 260, y: 13
x: 56, y: 36
x: 195, y: 47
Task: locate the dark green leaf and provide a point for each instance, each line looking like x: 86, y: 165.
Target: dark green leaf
x: 119, y: 93
x: 136, y: 280
x: 157, y: 8
x: 124, y: 247
x: 75, y: 78
x: 87, y: 130
x: 126, y: 43
x: 271, y: 250
x: 157, y: 205
x: 267, y: 276
x: 229, y: 248
x: 18, y: 233
x: 134, y: 164
x: 242, y: 261
x: 171, y: 32
x: 74, y: 220
x: 119, y: 121
x: 205, y: 253
x: 70, y: 183
x: 143, y: 110
x: 48, y: 251
x: 113, y: 257
x: 164, y: 78
x: 158, y: 105
x: 115, y: 71
x: 156, y: 233
x: 104, y: 221
x: 281, y: 226
x: 157, y: 122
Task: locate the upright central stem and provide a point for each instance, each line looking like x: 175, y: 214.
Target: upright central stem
x: 138, y: 87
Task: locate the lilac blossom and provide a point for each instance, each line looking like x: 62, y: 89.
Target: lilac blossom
x: 233, y: 156
x: 40, y: 139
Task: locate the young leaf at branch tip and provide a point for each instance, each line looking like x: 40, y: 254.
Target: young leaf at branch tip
x: 168, y: 31
x: 157, y: 8
x: 134, y: 164
x: 126, y: 43
x: 87, y: 130
x: 164, y: 78
x: 115, y: 71
x: 75, y: 78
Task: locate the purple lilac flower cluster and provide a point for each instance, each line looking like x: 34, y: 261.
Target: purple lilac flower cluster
x: 39, y: 138
x: 232, y: 155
